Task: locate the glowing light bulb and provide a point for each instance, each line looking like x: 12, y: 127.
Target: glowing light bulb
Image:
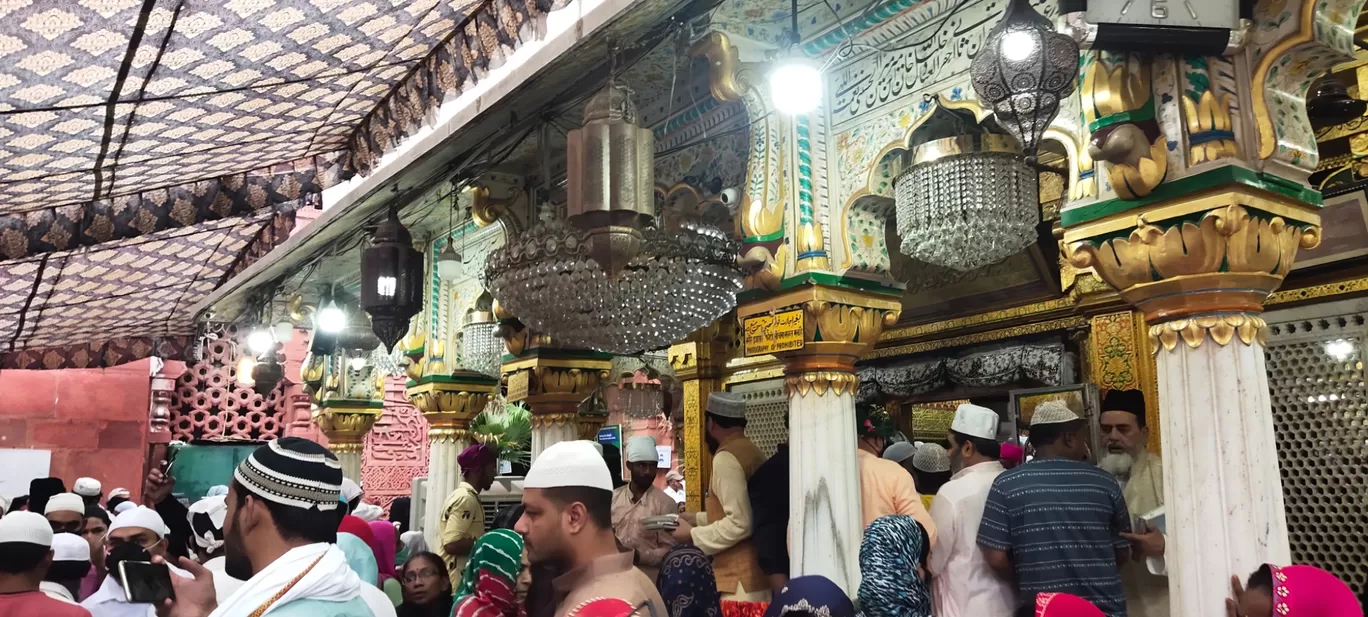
x: 795, y: 87
x: 386, y: 286
x: 1339, y: 349
x: 244, y: 371
x: 1018, y: 46
x: 260, y: 341
x: 357, y: 364
x: 331, y: 318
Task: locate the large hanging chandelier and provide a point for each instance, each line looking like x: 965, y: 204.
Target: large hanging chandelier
x: 1023, y: 71
x: 612, y: 277
x: 967, y: 197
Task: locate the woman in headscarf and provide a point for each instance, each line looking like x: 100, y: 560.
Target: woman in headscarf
x: 810, y: 596
x: 1292, y: 591
x: 892, y: 562
x: 385, y: 547
x: 687, y: 583
x: 487, y: 585
x: 427, y: 587
x: 361, y: 559
x: 1063, y: 605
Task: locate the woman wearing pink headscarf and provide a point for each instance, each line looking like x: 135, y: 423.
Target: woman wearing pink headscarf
x: 1292, y: 591
x: 385, y: 547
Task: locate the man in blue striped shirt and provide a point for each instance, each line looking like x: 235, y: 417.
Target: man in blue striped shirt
x: 1055, y: 523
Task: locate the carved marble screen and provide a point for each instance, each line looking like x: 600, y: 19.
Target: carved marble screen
x: 1316, y: 381
x: 766, y: 413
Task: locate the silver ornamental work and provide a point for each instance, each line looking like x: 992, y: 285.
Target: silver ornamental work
x: 967, y: 202
x: 481, y: 348
x: 611, y: 277
x: 1023, y: 71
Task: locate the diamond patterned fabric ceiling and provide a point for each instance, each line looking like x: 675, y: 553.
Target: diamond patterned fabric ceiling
x: 145, y: 143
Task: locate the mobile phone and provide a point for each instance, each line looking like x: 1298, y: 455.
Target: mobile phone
x: 145, y: 582
x: 169, y: 460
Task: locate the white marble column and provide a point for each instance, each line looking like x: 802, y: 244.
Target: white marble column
x: 1223, y: 494
x: 349, y: 456
x: 824, y: 488
x: 546, y: 434
x: 444, y: 475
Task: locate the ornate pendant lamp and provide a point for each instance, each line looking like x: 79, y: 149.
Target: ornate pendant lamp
x: 481, y: 348
x: 1023, y: 71
x: 357, y: 340
x: 967, y: 197
x: 267, y: 373
x: 611, y: 277
x: 391, y: 280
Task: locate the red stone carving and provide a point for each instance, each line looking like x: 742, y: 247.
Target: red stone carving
x: 396, y: 448
x: 209, y: 403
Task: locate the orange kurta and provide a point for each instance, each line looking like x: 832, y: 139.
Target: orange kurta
x: 886, y: 488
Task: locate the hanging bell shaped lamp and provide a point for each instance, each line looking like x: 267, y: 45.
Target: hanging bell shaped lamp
x: 357, y: 340
x: 449, y: 262
x: 481, y: 348
x: 391, y: 280
x: 1023, y: 71
x: 267, y: 373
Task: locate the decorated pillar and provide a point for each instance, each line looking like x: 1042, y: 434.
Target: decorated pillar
x: 819, y: 330
x: 1195, y: 212
x: 347, y: 402
x: 449, y: 403
x: 698, y: 363
x: 553, y: 383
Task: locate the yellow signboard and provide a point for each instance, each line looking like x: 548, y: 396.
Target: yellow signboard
x: 767, y: 334
x: 517, y: 386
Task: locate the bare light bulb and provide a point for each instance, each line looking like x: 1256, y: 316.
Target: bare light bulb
x: 260, y: 341
x: 245, y: 367
x: 357, y: 364
x: 1018, y: 46
x: 795, y: 87
x: 1339, y: 349
x: 331, y: 318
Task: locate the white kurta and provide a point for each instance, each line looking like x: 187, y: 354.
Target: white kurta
x: 963, y: 585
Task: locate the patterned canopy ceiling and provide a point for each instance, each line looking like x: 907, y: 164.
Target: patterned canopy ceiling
x: 124, y: 118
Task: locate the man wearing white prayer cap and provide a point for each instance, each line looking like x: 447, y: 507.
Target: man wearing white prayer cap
x: 25, y: 557
x: 724, y: 528
x: 139, y: 534
x: 638, y: 501
x: 207, y: 517
x: 962, y: 584
x: 280, y: 535
x: 567, y: 523
x: 70, y: 564
x: 65, y: 512
x: 89, y: 489
x: 1068, y: 511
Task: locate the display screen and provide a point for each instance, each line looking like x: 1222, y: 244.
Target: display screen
x: 146, y: 583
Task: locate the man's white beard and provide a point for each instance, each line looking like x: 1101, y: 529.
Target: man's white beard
x: 1117, y: 463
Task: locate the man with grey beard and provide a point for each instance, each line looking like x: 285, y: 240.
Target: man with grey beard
x: 1125, y: 435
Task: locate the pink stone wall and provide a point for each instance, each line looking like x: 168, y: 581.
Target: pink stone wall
x: 396, y: 448
x: 94, y: 421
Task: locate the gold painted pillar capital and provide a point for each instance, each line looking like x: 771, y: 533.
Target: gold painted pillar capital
x: 840, y: 325
x: 698, y: 362
x: 1199, y: 266
x: 346, y: 421
x: 450, y: 402
x: 553, y: 382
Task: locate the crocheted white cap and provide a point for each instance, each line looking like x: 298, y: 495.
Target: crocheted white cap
x: 931, y: 457
x: 1053, y: 411
x: 975, y: 421
x: 727, y: 405
x: 87, y: 487
x: 569, y: 463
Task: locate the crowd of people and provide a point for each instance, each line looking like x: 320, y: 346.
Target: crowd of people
x: 972, y: 530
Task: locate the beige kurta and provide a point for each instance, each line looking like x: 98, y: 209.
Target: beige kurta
x: 650, y: 546
x: 1147, y: 595
x: 611, y: 576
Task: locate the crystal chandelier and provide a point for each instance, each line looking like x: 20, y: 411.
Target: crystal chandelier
x: 1023, y: 71
x: 612, y: 277
x: 967, y: 197
x: 481, y: 348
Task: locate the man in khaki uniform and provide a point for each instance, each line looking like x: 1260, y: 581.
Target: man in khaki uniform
x: 724, y: 528
x: 462, y: 515
x: 567, y: 523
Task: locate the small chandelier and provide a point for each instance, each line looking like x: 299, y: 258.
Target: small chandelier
x: 1023, y: 71
x: 481, y: 348
x: 391, y: 280
x: 967, y: 198
x: 611, y: 277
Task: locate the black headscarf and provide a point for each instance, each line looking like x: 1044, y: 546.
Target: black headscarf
x: 399, y: 513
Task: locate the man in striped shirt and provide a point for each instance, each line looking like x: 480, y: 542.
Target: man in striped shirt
x: 1054, y: 524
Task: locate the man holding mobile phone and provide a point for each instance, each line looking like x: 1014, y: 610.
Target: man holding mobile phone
x: 137, y: 535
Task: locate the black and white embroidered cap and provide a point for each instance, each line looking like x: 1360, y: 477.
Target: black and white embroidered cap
x: 294, y: 472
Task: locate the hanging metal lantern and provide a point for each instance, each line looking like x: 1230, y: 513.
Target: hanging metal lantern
x: 391, y: 280
x: 967, y: 198
x: 357, y: 339
x: 267, y: 373
x: 1023, y: 71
